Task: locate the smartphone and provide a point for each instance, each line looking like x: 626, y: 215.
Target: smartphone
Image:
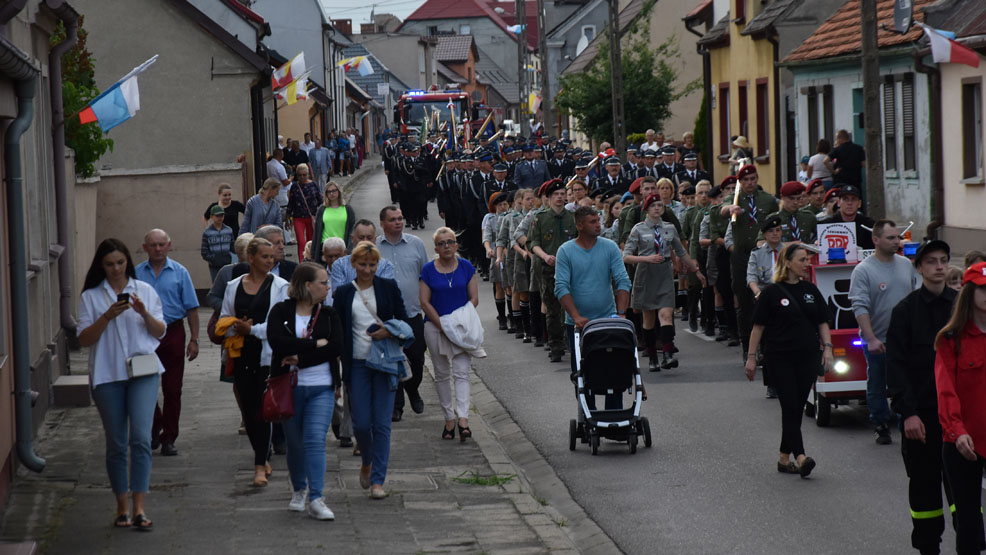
x: 373, y: 328
x: 123, y: 297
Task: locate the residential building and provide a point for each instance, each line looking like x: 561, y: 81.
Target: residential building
x: 173, y: 155
x: 410, y: 57
x: 37, y: 270
x: 568, y: 38
x: 958, y: 145
x: 383, y: 88
x: 829, y: 85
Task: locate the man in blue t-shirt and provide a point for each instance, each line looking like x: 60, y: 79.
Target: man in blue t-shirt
x: 598, y: 263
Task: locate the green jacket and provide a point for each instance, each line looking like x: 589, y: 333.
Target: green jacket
x: 746, y: 229
x: 806, y: 225
x: 549, y: 231
x: 692, y: 225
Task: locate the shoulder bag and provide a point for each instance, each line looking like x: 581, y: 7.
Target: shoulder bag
x: 141, y: 365
x: 819, y: 367
x: 407, y: 376
x: 278, y: 404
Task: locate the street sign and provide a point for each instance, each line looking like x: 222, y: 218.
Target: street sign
x: 903, y: 15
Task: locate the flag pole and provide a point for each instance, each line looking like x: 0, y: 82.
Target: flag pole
x: 135, y: 71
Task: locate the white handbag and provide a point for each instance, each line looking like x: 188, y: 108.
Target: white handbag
x: 138, y: 366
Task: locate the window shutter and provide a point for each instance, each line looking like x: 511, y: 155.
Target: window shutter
x: 907, y: 101
x: 889, y: 108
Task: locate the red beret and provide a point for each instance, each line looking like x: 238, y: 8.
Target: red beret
x: 650, y: 200
x: 746, y: 170
x: 551, y: 186
x: 635, y: 186
x: 730, y: 180
x: 792, y: 188
x: 812, y: 184
x: 831, y: 193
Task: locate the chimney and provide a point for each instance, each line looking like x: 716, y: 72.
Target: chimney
x: 367, y: 28
x: 345, y: 26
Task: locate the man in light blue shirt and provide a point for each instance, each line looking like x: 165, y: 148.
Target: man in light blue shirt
x: 342, y: 269
x: 174, y: 286
x: 585, y: 270
x: 407, y: 254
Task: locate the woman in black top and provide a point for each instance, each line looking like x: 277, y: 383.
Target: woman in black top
x: 249, y: 299
x: 231, y: 208
x: 792, y: 320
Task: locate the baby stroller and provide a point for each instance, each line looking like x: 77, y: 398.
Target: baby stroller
x: 606, y: 362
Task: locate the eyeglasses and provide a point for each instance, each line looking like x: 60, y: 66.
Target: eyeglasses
x: 447, y: 243
x: 329, y: 191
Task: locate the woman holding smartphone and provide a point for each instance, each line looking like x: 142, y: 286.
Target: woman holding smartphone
x: 960, y: 374
x: 120, y: 318
x: 361, y: 305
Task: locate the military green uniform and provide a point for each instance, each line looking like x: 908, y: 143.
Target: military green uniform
x: 534, y: 266
x: 745, y: 230
x: 634, y: 214
x: 549, y: 231
x: 692, y: 226
x: 804, y: 227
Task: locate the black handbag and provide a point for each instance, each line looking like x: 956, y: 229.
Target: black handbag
x: 819, y: 367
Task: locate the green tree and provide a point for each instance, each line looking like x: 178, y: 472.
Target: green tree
x: 701, y: 135
x: 649, y: 87
x: 78, y: 88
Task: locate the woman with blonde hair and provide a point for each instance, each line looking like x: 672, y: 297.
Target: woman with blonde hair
x: 448, y: 283
x: 262, y: 208
x: 362, y: 304
x: 791, y: 318
x: 333, y: 219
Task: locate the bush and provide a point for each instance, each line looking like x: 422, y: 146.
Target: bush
x: 636, y: 138
x: 702, y: 140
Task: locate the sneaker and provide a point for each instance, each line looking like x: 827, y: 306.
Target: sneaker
x: 882, y: 433
x: 771, y: 393
x: 297, y: 503
x: 318, y: 510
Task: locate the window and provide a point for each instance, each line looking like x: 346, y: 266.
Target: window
x: 828, y: 113
x: 972, y: 130
x: 465, y: 30
x: 432, y: 30
x: 889, y: 124
x: 907, y: 115
x: 763, y: 118
x: 740, y: 11
x: 744, y: 123
x: 813, y: 137
x: 589, y: 32
x: 724, y: 129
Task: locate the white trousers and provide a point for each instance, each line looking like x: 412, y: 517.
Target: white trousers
x: 449, y: 374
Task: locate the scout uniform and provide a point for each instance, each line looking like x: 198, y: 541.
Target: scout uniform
x: 692, y: 229
x: 548, y: 231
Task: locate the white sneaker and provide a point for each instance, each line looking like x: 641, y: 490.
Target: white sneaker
x: 318, y: 510
x: 297, y: 503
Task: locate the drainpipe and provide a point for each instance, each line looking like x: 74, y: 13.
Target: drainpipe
x: 70, y: 19
x: 937, y: 171
x: 776, y: 154
x: 16, y: 65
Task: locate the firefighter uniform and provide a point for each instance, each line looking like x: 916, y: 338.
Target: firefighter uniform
x: 914, y: 323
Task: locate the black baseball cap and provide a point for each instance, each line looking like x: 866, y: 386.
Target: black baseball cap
x: 928, y: 247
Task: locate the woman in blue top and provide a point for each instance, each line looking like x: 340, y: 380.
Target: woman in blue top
x: 447, y: 283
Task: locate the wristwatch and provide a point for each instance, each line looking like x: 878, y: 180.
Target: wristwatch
x: 621, y: 312
x: 827, y: 344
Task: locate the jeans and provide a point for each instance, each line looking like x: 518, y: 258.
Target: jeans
x: 613, y: 401
x: 305, y: 434
x: 127, y: 411
x: 373, y: 405
x: 876, y: 387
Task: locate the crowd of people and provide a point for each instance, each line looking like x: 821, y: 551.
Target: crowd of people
x: 564, y: 235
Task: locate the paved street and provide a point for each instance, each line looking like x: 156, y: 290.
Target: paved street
x: 709, y: 484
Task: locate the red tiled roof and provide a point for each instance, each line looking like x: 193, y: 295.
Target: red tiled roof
x: 697, y: 11
x: 244, y: 11
x: 464, y: 9
x: 839, y: 35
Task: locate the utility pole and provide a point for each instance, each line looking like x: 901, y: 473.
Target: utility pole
x: 876, y: 205
x: 521, y: 58
x: 616, y: 77
x: 547, y: 103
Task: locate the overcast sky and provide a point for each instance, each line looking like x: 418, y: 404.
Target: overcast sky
x: 359, y: 10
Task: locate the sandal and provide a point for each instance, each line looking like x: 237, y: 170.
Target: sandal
x: 464, y: 433
x: 142, y: 523
x: 447, y: 433
x: 122, y: 521
x: 268, y: 469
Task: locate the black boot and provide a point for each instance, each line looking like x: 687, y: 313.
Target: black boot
x: 501, y: 316
x: 721, y: 324
x: 692, y: 305
x: 667, y: 339
x: 668, y: 361
x: 525, y: 321
x: 654, y: 365
x: 650, y: 346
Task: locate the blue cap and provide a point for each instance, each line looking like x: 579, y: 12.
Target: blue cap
x: 484, y: 157
x: 528, y: 147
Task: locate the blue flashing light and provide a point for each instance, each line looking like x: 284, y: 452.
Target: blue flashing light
x: 415, y: 93
x: 857, y: 343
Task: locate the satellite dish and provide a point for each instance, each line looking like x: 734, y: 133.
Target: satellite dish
x: 583, y: 42
x: 498, y: 10
x: 476, y: 96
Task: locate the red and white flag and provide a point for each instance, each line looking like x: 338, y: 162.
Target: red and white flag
x: 946, y: 50
x: 287, y: 73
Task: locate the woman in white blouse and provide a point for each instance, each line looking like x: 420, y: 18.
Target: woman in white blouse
x: 116, y: 333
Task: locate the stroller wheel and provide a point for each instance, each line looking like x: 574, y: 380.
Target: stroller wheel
x: 594, y: 443
x: 632, y: 440
x: 572, y: 427
x: 645, y: 424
